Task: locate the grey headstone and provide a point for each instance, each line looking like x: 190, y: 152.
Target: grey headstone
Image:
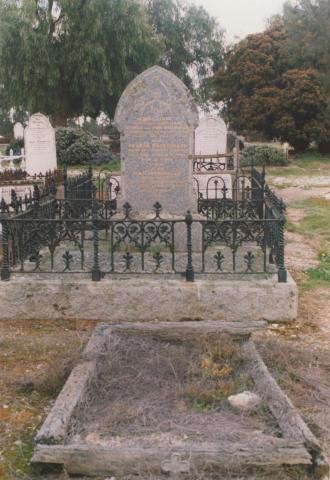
x: 156, y: 117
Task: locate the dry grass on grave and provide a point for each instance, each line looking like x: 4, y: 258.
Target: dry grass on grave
x: 158, y: 391
x: 303, y: 372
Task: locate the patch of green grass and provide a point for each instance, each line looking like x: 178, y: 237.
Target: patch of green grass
x: 319, y: 276
x: 315, y: 224
x: 113, y: 166
x: 308, y: 163
x: 20, y: 454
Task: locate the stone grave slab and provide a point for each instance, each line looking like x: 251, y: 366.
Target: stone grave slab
x: 40, y: 145
x: 211, y: 136
x: 156, y: 117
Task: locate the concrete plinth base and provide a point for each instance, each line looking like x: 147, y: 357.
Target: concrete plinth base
x: 141, y: 299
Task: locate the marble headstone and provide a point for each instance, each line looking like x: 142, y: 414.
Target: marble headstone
x: 156, y: 117
x: 211, y: 136
x: 40, y: 146
x: 18, y: 131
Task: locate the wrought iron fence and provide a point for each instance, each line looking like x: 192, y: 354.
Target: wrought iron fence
x: 84, y: 233
x: 212, y: 163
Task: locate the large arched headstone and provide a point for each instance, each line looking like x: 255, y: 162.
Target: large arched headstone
x: 211, y: 136
x: 40, y: 145
x: 156, y: 117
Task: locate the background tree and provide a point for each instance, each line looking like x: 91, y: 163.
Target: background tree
x: 307, y: 23
x: 67, y: 58
x: 194, y: 42
x: 263, y: 91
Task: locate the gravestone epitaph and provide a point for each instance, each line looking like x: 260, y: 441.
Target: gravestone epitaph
x: 18, y: 131
x: 156, y: 117
x: 211, y: 136
x: 40, y: 146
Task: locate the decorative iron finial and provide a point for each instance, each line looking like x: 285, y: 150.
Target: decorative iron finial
x: 127, y: 209
x: 157, y: 209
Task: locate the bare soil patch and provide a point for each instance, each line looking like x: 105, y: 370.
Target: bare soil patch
x: 294, y: 194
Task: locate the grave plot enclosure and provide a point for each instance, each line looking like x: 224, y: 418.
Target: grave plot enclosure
x: 72, y: 227
x: 152, y: 400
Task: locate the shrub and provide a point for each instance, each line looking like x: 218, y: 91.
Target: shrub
x: 324, y: 147
x: 77, y: 147
x: 16, y: 145
x: 102, y: 156
x: 263, y: 155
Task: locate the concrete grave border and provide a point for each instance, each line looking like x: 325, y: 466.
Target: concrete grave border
x: 149, y: 298
x: 297, y: 446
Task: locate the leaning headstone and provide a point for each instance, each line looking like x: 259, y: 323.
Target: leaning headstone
x: 211, y: 136
x: 40, y: 146
x: 18, y: 131
x: 156, y: 117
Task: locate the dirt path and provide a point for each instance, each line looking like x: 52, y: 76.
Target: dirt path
x: 299, y: 355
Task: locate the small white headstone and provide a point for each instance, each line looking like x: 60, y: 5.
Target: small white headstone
x: 18, y: 130
x: 40, y: 146
x: 211, y: 136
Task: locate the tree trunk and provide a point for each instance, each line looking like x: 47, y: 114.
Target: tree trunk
x: 60, y: 118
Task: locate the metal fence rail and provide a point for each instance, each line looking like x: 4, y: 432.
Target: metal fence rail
x: 83, y: 233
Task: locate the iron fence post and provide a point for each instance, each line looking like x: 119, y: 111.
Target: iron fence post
x: 190, y: 275
x: 5, y: 271
x: 65, y: 183
x: 282, y: 273
x: 96, y: 272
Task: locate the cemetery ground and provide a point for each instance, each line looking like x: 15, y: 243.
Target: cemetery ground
x: 36, y: 357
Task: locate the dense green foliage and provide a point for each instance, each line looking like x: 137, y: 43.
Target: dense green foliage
x: 77, y: 147
x: 5, y: 123
x: 193, y: 42
x: 263, y: 92
x: 263, y: 155
x: 68, y: 58
x: 307, y: 23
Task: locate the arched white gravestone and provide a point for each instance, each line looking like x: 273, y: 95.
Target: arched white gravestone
x: 18, y: 130
x: 40, y: 146
x: 156, y: 117
x: 211, y: 136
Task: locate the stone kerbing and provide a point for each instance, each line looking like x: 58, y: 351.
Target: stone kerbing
x: 148, y: 299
